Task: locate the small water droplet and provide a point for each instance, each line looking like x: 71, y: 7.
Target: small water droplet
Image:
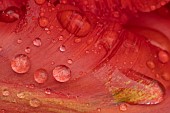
x: 99, y: 109
x: 39, y: 2
x: 77, y: 40
x: 21, y: 95
x: 43, y: 22
x: 28, y: 50
x: 20, y: 63
x: 40, y: 75
x: 37, y: 42
x: 3, y: 110
x: 35, y: 102
x: 69, y: 61
x: 19, y: 41
x: 5, y: 92
x: 163, y: 56
x: 48, y: 91
x: 62, y: 48
x: 123, y: 107
x: 60, y: 38
x: 62, y: 73
x: 166, y: 76
x: 150, y: 64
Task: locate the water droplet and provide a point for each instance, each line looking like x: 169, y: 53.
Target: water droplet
x: 20, y: 63
x: 99, y: 109
x: 52, y: 63
x: 35, y: 102
x: 11, y: 14
x: 40, y: 75
x: 77, y: 25
x: 19, y: 41
x: 123, y: 107
x: 39, y: 2
x: 48, y: 91
x: 43, y: 22
x: 37, y: 42
x: 150, y: 64
x: 62, y: 48
x: 60, y: 38
x: 3, y: 110
x: 27, y: 50
x: 62, y: 73
x: 163, y: 56
x: 77, y: 40
x: 21, y: 95
x: 69, y: 61
x: 166, y: 76
x: 5, y: 92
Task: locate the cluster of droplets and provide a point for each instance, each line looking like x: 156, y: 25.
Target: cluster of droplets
x: 21, y: 64
x: 163, y: 57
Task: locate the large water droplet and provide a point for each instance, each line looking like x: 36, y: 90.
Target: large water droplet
x: 74, y: 22
x: 40, y: 75
x: 37, y: 42
x: 11, y: 14
x: 20, y: 63
x: 163, y: 56
x: 62, y: 73
x: 35, y: 102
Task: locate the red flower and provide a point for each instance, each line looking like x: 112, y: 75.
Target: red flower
x: 75, y: 56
